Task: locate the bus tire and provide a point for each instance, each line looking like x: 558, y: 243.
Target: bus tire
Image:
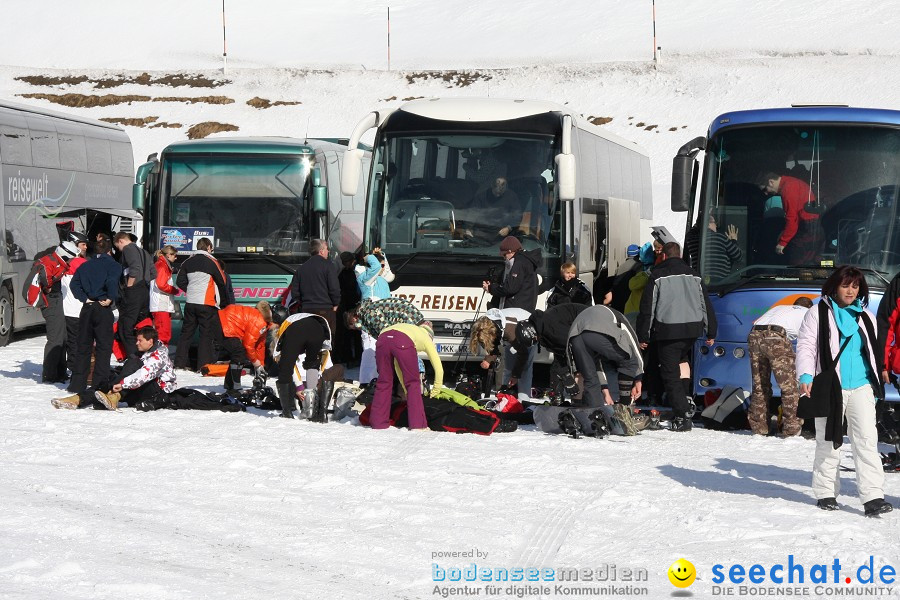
x: 6, y: 315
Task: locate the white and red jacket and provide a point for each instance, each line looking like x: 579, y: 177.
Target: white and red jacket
x: 156, y: 366
x: 162, y: 289
x: 71, y: 304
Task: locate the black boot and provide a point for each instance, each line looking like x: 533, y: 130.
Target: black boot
x: 323, y: 398
x: 235, y: 371
x: 288, y: 399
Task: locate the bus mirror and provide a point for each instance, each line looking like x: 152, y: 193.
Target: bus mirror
x: 682, y: 182
x: 320, y: 199
x: 350, y: 171
x: 138, y: 191
x: 565, y: 166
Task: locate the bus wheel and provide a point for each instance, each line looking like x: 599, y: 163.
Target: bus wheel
x: 6, y: 315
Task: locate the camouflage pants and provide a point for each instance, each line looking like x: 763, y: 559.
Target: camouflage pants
x: 771, y: 352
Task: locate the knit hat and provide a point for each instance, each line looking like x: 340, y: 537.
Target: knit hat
x: 510, y: 244
x: 632, y: 250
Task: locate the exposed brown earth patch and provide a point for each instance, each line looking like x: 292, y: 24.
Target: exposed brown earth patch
x: 131, y: 122
x: 257, y: 102
x: 599, y: 120
x: 197, y: 100
x: 89, y: 101
x: 202, y: 130
x: 451, y: 78
x: 150, y: 122
x: 408, y: 98
x: 83, y: 101
x: 173, y: 80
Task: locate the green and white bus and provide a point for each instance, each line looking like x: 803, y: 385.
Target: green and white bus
x: 259, y: 199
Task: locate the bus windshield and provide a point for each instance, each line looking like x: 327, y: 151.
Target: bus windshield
x: 462, y: 193
x: 256, y: 204
x: 790, y: 202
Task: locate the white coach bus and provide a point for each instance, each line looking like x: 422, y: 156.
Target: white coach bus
x: 574, y: 191
x: 54, y: 166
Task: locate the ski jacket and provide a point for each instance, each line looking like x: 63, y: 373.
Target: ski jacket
x: 71, y: 304
x: 203, y: 281
x: 614, y: 325
x: 97, y: 279
x: 247, y: 324
x: 44, y: 278
x: 156, y: 366
x: 520, y: 288
x: 675, y: 305
x: 371, y: 284
x: 376, y: 315
x: 506, y: 320
x: 317, y: 284
x: 137, y: 263
x: 552, y: 326
x: 889, y: 325
x: 794, y: 196
x: 565, y: 292
x: 161, y: 289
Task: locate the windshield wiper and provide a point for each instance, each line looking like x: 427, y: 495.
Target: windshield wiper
x: 879, y: 274
x: 742, y: 282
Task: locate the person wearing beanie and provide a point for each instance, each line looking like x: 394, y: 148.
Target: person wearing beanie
x: 516, y: 286
x: 626, y: 271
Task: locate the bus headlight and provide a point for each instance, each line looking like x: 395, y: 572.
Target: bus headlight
x: 738, y: 352
x: 719, y: 351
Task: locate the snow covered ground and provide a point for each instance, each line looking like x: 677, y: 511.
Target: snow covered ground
x: 189, y: 504
x: 174, y: 505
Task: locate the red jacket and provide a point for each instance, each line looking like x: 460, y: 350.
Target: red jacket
x: 163, y: 275
x: 247, y: 324
x: 794, y: 196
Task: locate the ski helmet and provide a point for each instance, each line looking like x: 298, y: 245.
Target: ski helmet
x: 279, y: 313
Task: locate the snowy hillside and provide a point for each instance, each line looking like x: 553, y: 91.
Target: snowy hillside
x: 183, y: 505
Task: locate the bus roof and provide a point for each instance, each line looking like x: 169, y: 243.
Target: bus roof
x: 805, y: 114
x: 15, y: 106
x: 255, y: 145
x: 478, y: 110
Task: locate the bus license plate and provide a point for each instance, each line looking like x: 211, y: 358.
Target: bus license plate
x: 448, y: 348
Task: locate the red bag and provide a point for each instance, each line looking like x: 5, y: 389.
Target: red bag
x: 507, y: 403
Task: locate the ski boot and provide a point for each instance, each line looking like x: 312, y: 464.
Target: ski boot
x: 599, y: 424
x: 307, y: 403
x: 323, y: 398
x: 569, y: 424
x: 288, y: 399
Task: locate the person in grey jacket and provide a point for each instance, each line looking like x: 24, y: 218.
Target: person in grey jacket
x: 675, y: 311
x: 603, y: 347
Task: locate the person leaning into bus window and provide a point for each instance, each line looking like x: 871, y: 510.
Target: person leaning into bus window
x: 771, y: 350
x: 844, y: 298
x: 162, y: 293
x: 721, y: 251
x: 801, y: 240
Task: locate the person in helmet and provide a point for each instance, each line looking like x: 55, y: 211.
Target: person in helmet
x: 603, y: 347
x: 44, y: 291
x: 500, y: 327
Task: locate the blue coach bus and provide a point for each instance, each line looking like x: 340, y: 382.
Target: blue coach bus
x: 849, y: 158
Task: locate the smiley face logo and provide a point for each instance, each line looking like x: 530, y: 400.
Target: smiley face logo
x: 682, y: 573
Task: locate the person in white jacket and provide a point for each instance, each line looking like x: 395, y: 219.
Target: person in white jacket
x: 850, y: 333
